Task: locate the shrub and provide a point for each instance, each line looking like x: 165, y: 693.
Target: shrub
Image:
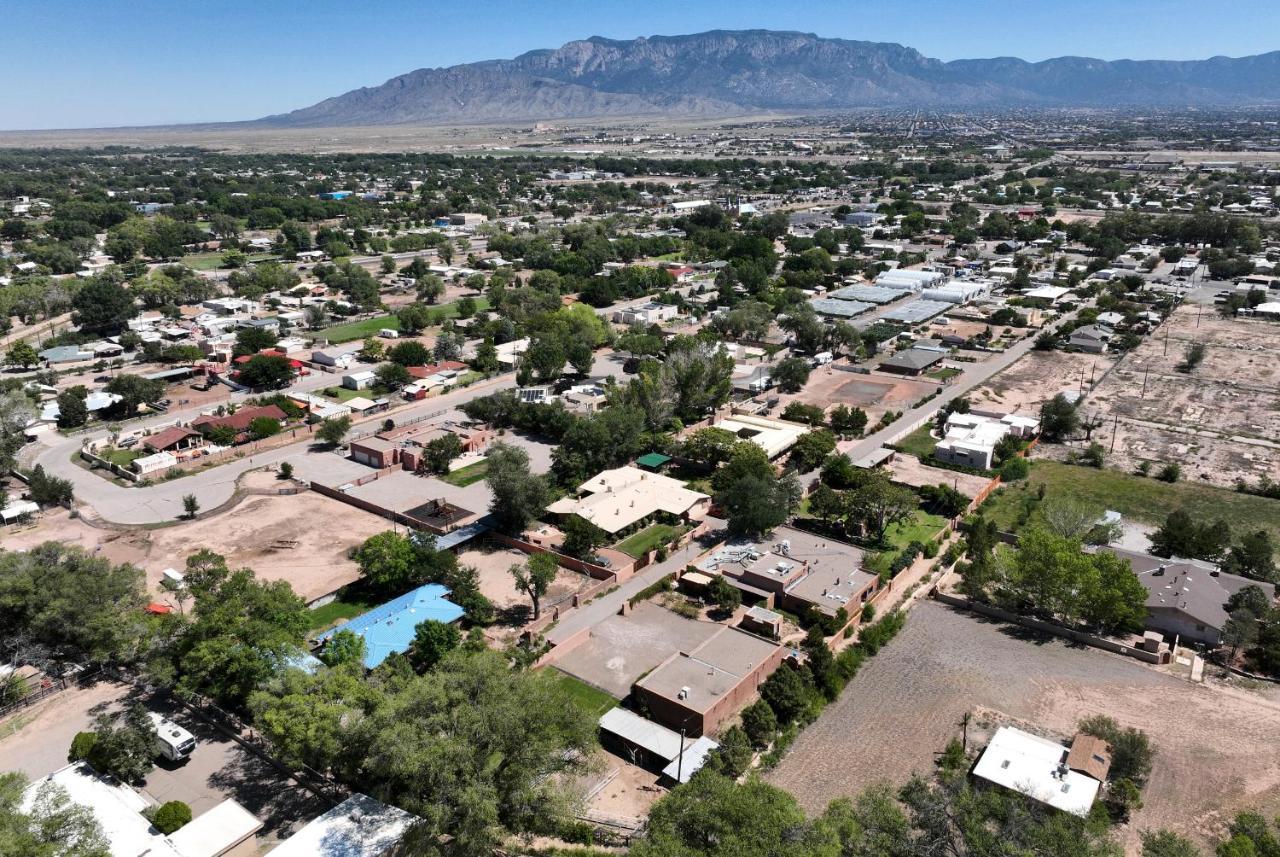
x: 171, y: 816
x: 82, y: 746
x: 1014, y: 469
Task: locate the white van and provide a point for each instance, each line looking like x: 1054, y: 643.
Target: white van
x: 389, y: 333
x: 172, y: 741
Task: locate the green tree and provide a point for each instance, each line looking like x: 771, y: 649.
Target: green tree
x: 432, y: 640
x: 171, y: 816
x: 1131, y: 750
x: 22, y: 355
x: 581, y: 537
x: 409, y: 354
x: 789, y: 693
x: 519, y: 496
x: 756, y: 505
x: 733, y: 757
x: 440, y: 452
x: 102, y: 306
x: 1165, y: 843
x: 811, y: 449
x: 72, y: 410
x: 251, y: 340
x: 760, y: 723
x: 52, y: 826
x: 535, y: 577
x: 1058, y: 418
x: 790, y: 374
x: 266, y: 372
x: 190, y: 505
x: 334, y: 429
x: 124, y: 746
x: 389, y: 561
x: 392, y: 376
x: 344, y: 647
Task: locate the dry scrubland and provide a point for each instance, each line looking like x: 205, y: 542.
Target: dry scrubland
x: 907, y: 702
x: 1220, y: 422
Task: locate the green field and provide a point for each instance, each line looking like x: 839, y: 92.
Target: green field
x: 213, y: 261
x: 1145, y: 500
x: 343, y: 394
x: 638, y: 544
x: 591, y: 700
x: 468, y: 475
x: 340, y: 333
x: 351, y: 331
x: 920, y: 528
x: 921, y: 443
x: 338, y: 611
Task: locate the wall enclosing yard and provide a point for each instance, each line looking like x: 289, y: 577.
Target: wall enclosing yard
x: 992, y: 612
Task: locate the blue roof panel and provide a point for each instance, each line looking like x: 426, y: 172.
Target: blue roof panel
x: 389, y: 627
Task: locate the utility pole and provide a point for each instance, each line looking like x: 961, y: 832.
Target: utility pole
x: 1146, y: 370
x: 1114, y: 426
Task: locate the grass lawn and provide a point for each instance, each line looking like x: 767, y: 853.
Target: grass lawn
x: 343, y: 394
x: 354, y: 330
x: 1142, y: 499
x: 920, y: 528
x: 346, y: 606
x: 213, y: 261
x: 591, y: 700
x: 358, y: 329
x: 122, y: 457
x: 944, y: 374
x: 638, y: 544
x: 920, y: 443
x: 468, y: 475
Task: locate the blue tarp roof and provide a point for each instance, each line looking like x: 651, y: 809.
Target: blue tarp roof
x: 389, y: 628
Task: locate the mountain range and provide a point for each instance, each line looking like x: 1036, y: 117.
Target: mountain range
x: 727, y: 73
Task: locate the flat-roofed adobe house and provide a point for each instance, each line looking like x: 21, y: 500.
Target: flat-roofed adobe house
x: 627, y: 497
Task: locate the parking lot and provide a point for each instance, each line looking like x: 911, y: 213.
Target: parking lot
x: 36, y: 741
x: 907, y: 702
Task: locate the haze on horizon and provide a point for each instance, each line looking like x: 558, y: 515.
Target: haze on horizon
x: 78, y: 64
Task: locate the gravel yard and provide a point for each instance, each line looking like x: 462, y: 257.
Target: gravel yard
x: 907, y: 702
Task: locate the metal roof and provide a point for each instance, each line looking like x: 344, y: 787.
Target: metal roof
x: 390, y: 627
x: 649, y: 736
x: 917, y: 311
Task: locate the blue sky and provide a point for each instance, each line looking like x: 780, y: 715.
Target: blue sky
x: 88, y: 63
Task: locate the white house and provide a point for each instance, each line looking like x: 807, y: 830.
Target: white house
x: 1036, y: 767
x: 359, y: 380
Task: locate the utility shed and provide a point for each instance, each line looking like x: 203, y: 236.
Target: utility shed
x: 633, y: 731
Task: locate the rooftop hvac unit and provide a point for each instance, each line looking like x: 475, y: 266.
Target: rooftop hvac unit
x: 684, y: 693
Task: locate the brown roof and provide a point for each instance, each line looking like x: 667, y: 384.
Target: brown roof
x: 241, y: 419
x: 167, y: 438
x: 1091, y: 756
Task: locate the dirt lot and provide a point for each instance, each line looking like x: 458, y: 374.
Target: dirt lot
x: 496, y: 583
x: 909, y: 470
x: 291, y: 538
x: 907, y: 702
x: 1221, y: 422
x: 1037, y: 378
x: 875, y: 393
x: 35, y: 742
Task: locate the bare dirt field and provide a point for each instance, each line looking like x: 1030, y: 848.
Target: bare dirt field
x: 496, y: 583
x: 625, y: 792
x: 1220, y: 421
x: 875, y: 393
x: 909, y: 470
x: 295, y: 538
x: 1037, y: 378
x: 1213, y: 743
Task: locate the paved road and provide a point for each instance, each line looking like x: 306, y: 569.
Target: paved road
x: 214, y: 486
x: 609, y: 604
x: 973, y: 377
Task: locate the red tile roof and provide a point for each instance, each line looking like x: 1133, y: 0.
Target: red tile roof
x: 168, y: 437
x: 241, y: 419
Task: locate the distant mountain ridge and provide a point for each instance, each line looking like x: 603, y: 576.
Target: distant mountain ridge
x: 722, y: 72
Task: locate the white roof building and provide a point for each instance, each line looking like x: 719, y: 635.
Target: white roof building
x: 358, y: 827
x: 773, y: 436
x: 616, y: 499
x: 118, y: 811
x: 1037, y: 768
